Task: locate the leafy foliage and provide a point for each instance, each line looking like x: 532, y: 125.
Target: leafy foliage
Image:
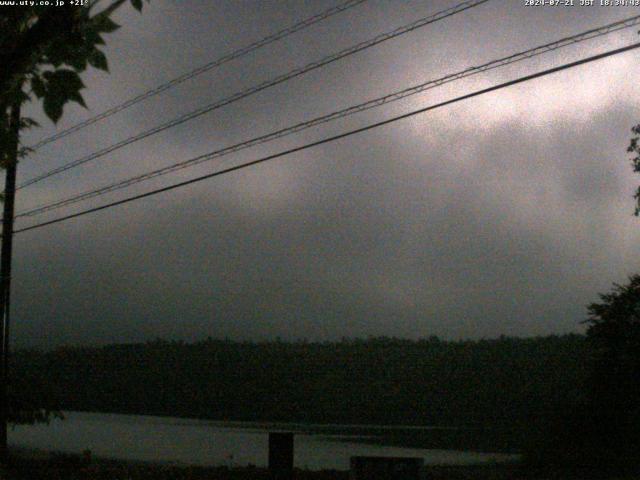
x: 634, y: 147
x: 603, y: 431
x: 43, y: 51
x: 57, y: 88
x: 614, y: 332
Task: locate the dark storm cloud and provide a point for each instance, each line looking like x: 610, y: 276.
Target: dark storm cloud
x: 505, y: 214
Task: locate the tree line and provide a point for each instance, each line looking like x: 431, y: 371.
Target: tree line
x: 377, y: 380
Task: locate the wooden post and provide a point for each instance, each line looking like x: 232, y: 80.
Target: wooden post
x: 281, y: 455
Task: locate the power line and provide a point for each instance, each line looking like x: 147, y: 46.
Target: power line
x: 517, y: 57
x: 339, y: 136
x: 262, y: 86
x: 202, y: 69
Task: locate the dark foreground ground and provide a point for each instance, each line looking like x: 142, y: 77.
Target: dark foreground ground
x: 27, y: 465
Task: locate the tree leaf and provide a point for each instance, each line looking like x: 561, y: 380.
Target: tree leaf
x: 76, y: 97
x: 38, y: 86
x: 93, y: 37
x: 63, y: 80
x: 21, y: 96
x: 137, y: 4
x: 63, y: 86
x: 55, y: 56
x: 103, y: 23
x: 98, y: 60
x: 77, y: 59
x: 53, y: 107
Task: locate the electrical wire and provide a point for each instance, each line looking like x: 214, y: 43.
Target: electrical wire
x: 517, y: 57
x: 339, y: 136
x: 260, y: 87
x: 202, y: 69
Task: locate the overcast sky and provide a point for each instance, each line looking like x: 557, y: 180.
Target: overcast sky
x: 503, y: 214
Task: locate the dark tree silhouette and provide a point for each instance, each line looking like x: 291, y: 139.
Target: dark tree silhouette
x: 634, y: 147
x: 43, y: 51
x: 614, y: 335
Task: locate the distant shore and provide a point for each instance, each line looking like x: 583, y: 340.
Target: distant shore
x: 375, y: 381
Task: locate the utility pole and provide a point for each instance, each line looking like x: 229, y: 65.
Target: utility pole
x: 5, y: 271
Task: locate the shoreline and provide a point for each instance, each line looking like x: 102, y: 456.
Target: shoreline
x: 498, y: 441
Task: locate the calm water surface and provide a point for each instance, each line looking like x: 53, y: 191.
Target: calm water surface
x: 201, y: 442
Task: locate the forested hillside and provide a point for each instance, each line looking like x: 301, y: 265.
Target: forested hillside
x: 379, y: 380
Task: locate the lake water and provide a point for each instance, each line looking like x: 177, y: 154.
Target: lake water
x: 201, y: 442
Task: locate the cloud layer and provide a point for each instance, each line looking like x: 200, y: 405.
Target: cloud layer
x: 505, y: 214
